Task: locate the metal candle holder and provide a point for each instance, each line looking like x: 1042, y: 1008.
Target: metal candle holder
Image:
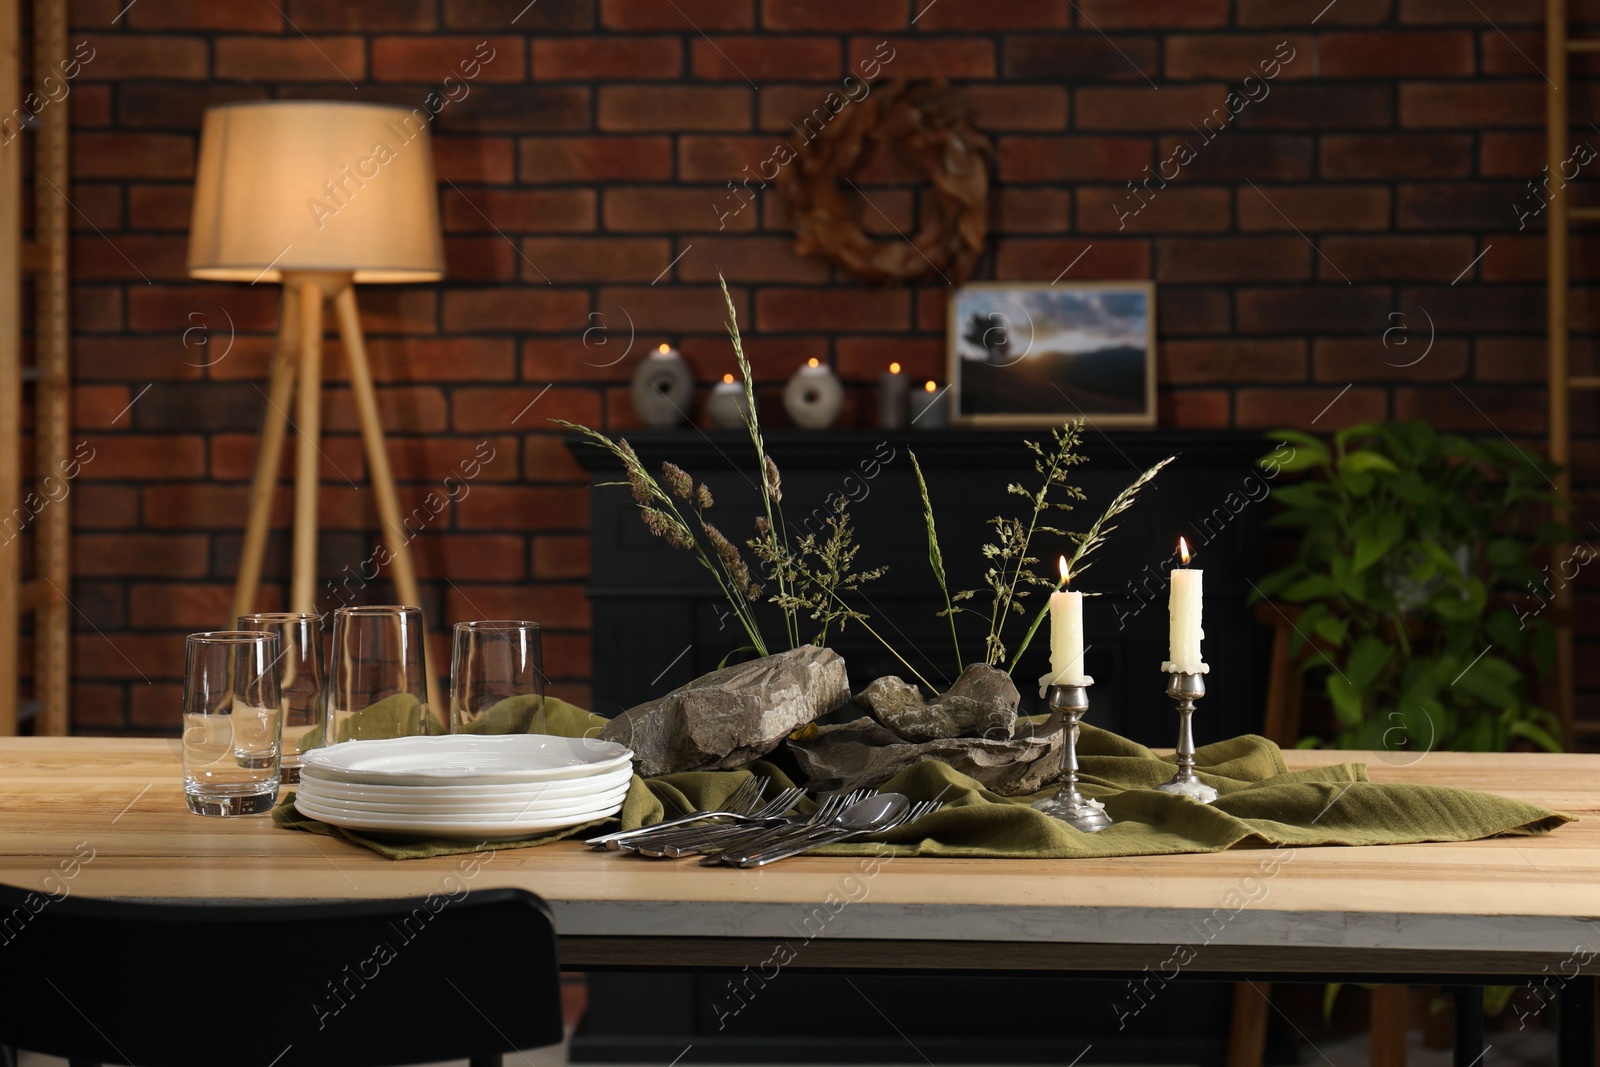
x: 1186, y: 689
x: 1069, y: 805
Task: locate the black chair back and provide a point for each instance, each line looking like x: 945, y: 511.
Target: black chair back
x: 347, y: 984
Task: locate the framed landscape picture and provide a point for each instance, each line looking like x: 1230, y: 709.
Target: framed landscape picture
x: 1026, y: 353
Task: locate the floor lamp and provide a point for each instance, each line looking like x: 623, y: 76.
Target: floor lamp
x: 317, y: 196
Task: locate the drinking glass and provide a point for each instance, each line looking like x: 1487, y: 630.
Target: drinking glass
x: 376, y: 683
x: 299, y: 681
x: 231, y: 723
x: 496, y: 677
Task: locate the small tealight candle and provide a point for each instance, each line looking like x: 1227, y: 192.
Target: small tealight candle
x: 726, y: 406
x: 1066, y: 637
x: 928, y: 408
x: 664, y: 351
x: 892, y: 390
x: 1183, y: 618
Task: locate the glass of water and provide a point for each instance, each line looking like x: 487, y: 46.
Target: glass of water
x: 496, y: 678
x: 376, y: 684
x: 299, y: 681
x: 231, y: 723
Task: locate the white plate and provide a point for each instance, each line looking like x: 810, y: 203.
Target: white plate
x: 450, y: 829
x: 487, y: 808
x: 507, y: 791
x: 464, y: 759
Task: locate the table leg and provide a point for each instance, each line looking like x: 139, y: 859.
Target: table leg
x: 1469, y: 1025
x: 1577, y: 1023
x: 1247, y: 1029
x: 1388, y: 1017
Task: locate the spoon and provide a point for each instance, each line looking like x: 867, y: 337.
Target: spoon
x: 878, y: 812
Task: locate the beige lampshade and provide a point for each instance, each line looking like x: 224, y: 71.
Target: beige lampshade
x: 288, y: 186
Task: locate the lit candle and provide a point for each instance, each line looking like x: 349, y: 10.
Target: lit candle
x: 662, y: 389
x: 1066, y: 637
x: 814, y: 396
x: 892, y: 389
x: 727, y: 405
x: 928, y: 408
x: 1183, y: 618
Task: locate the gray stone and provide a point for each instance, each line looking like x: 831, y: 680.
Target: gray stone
x: 863, y: 755
x: 982, y: 703
x: 729, y: 717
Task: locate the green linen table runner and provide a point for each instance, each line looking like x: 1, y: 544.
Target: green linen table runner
x: 1259, y: 800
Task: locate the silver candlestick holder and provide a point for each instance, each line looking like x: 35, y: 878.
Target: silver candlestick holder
x: 1069, y: 805
x: 1186, y: 689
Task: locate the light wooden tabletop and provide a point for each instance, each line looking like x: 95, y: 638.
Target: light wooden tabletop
x: 1508, y: 905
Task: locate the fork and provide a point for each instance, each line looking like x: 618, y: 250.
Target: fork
x: 819, y: 837
x: 755, y: 838
x: 719, y: 839
x: 656, y: 846
x: 738, y: 806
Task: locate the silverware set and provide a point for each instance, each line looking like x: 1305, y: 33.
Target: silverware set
x: 749, y: 832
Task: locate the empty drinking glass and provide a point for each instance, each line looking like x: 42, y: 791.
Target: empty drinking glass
x: 231, y: 723
x: 496, y: 678
x: 299, y: 681
x: 376, y: 683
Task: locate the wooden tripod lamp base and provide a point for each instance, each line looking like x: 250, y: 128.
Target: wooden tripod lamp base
x: 295, y: 380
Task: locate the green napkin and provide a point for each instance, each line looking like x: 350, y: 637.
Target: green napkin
x: 1259, y: 801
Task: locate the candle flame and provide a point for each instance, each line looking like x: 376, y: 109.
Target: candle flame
x: 727, y: 379
x: 665, y: 348
x: 1183, y: 551
x: 894, y: 368
x: 812, y: 362
x: 1063, y: 572
x: 930, y: 387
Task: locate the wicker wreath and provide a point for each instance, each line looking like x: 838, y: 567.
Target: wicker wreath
x: 928, y: 124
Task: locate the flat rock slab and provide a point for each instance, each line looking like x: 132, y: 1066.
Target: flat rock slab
x: 982, y: 703
x: 729, y: 717
x: 863, y: 755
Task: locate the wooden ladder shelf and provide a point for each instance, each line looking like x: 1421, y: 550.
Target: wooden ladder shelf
x: 35, y: 522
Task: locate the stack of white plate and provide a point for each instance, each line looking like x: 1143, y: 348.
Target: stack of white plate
x: 464, y: 786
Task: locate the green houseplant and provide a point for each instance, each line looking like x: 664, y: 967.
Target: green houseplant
x: 1413, y: 576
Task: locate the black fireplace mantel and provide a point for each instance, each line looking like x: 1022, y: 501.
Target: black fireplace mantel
x: 659, y: 621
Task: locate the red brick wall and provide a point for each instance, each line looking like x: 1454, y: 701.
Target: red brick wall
x: 590, y: 152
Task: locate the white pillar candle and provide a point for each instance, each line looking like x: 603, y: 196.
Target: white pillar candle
x: 1066, y: 638
x: 1183, y: 618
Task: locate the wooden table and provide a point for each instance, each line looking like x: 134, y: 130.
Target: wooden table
x: 1514, y: 908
